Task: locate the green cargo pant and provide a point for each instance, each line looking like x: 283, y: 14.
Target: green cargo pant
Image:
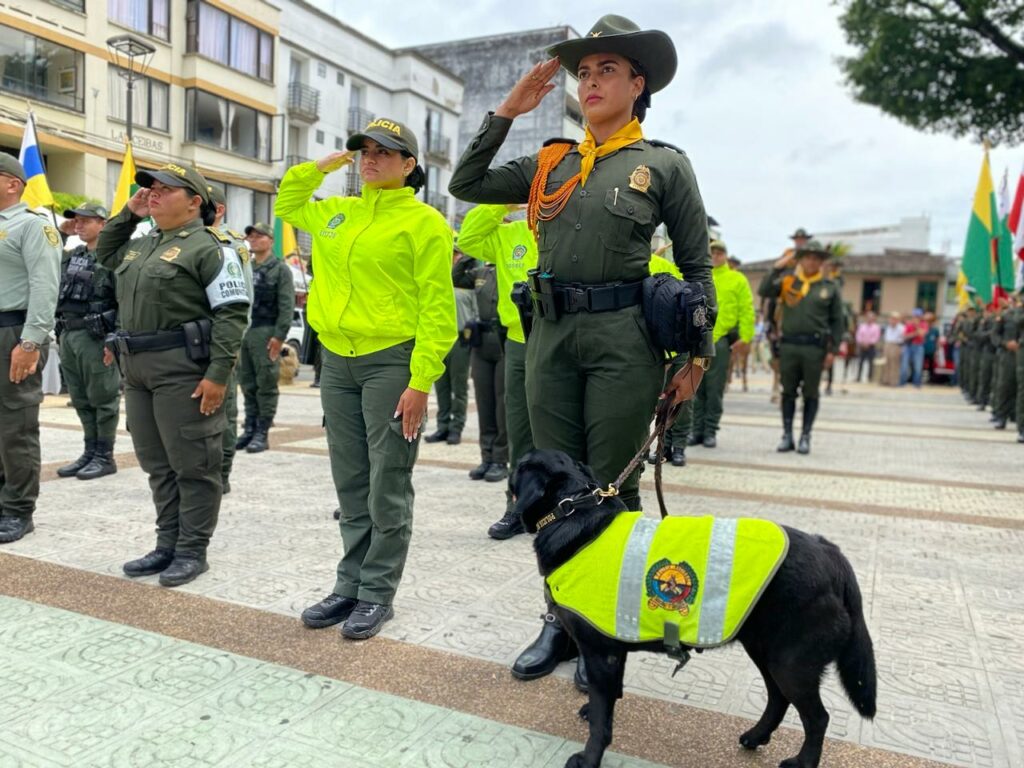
x: 964, y: 374
x: 453, y: 390
x: 592, y: 382
x: 707, y: 403
x: 983, y: 384
x: 371, y: 463
x: 517, y: 414
x: 231, y: 430
x: 1020, y: 389
x: 95, y: 388
x: 681, y: 427
x: 19, y: 430
x: 488, y: 369
x: 257, y: 374
x: 179, y: 448
x: 800, y: 368
x: 1004, y: 398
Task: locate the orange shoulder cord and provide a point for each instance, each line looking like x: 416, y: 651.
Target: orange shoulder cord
x: 541, y: 206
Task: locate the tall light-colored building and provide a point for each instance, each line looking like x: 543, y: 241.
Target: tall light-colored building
x: 209, y: 97
x: 912, y: 233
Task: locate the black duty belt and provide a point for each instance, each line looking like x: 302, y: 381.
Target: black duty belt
x: 72, y: 322
x: 13, y: 317
x: 156, y: 341
x: 597, y: 298
x: 262, y: 322
x: 804, y: 339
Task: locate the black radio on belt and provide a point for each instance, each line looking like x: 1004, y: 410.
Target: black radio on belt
x: 542, y: 291
x: 523, y: 302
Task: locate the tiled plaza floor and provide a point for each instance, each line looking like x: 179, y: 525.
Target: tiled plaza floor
x: 915, y: 487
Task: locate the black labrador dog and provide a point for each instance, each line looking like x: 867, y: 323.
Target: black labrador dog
x: 808, y: 616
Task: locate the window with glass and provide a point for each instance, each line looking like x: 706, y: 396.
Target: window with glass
x: 218, y: 35
x: 151, y: 17
x: 149, y: 101
x: 927, y: 293
x: 44, y: 71
x: 74, y: 5
x: 227, y: 125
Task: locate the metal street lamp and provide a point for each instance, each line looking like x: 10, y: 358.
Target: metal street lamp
x: 132, y: 58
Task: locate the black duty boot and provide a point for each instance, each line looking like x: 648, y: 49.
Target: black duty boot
x: 155, y: 562
x: 437, y: 437
x: 710, y: 441
x: 182, y: 570
x: 579, y: 679
x: 337, y: 513
x: 695, y: 439
x: 999, y: 423
x: 678, y: 456
x: 13, y: 528
x: 552, y: 646
x: 478, y: 472
x: 247, y: 432
x: 225, y: 485
x: 1020, y: 436
x: 788, y: 414
x: 454, y: 438
x: 260, y: 437
x: 510, y: 524
x: 366, y: 620
x: 72, y: 469
x: 496, y: 473
x: 810, y: 411
x: 333, y: 609
x: 102, y: 462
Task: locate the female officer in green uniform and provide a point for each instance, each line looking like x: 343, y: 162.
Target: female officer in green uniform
x: 384, y: 309
x: 592, y: 373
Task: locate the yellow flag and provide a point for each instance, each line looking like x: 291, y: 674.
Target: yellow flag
x: 126, y: 186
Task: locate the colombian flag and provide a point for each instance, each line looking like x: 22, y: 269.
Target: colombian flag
x: 981, y: 247
x: 37, y: 191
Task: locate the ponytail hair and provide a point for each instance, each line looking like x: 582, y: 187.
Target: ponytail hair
x: 208, y: 213
x: 416, y: 179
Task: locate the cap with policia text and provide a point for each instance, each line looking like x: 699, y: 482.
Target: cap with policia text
x: 89, y: 210
x: 176, y: 176
x: 390, y: 133
x: 260, y: 228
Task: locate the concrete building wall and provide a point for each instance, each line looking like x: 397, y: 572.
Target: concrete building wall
x: 912, y: 233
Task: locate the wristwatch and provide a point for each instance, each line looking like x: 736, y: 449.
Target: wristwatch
x: 28, y: 346
x: 702, y: 362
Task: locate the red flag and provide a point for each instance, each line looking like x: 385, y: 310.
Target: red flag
x: 1015, y: 221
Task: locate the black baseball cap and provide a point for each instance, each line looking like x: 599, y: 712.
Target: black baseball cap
x: 92, y: 210
x: 389, y: 133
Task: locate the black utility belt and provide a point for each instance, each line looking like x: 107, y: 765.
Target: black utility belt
x: 552, y: 299
x: 71, y: 322
x: 194, y: 336
x: 13, y: 317
x: 263, y: 322
x: 804, y: 339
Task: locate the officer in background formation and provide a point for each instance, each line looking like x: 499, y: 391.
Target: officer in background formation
x: 182, y: 310
x: 489, y: 235
x: 1004, y: 386
x: 811, y: 328
x: 86, y: 313
x: 273, y: 306
x: 769, y: 302
x: 487, y: 367
x: 29, y: 278
x: 986, y: 352
x: 965, y: 327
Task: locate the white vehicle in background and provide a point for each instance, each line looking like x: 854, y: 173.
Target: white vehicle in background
x: 297, y: 331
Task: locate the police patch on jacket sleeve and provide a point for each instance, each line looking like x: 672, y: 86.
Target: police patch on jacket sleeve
x: 228, y: 287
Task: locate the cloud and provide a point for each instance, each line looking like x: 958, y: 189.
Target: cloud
x: 757, y: 47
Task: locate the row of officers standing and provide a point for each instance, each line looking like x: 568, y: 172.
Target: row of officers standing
x: 990, y: 344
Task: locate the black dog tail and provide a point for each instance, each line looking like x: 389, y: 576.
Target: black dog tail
x: 856, y: 662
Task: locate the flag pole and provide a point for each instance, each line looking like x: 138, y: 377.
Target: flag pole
x: 35, y: 136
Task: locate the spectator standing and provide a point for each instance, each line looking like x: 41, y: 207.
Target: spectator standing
x: 869, y: 333
x: 912, y: 359
x: 892, y: 350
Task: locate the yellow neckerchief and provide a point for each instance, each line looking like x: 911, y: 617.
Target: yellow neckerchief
x: 589, y: 151
x: 798, y: 285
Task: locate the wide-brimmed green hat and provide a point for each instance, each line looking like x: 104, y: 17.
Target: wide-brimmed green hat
x: 800, y: 233
x: 815, y: 247
x: 617, y: 34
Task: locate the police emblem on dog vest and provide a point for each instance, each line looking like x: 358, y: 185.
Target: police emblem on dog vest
x: 704, y: 575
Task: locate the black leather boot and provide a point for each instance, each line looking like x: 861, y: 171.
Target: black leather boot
x: 496, y: 473
x: 437, y: 437
x: 788, y: 414
x: 260, y: 437
x: 247, y: 432
x: 454, y: 438
x: 510, y: 524
x: 810, y: 411
x: 72, y: 469
x: 652, y: 457
x: 678, y: 456
x: 695, y: 439
x: 13, y: 528
x: 551, y: 647
x: 478, y: 472
x: 155, y: 562
x: 182, y: 570
x: 102, y: 462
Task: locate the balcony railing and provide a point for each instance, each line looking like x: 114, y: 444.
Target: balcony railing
x: 290, y: 160
x: 303, y: 102
x: 438, y: 201
x: 439, y: 147
x: 358, y: 118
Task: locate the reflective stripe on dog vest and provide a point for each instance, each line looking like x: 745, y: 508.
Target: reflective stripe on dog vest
x: 704, y: 575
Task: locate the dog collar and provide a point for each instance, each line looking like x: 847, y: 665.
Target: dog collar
x: 567, y: 506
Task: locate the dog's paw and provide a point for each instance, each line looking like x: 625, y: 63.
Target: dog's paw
x: 753, y: 739
x: 578, y: 760
x: 584, y: 712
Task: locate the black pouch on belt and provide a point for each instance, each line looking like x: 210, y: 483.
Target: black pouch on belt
x: 676, y: 313
x: 197, y: 339
x: 521, y: 298
x: 542, y: 290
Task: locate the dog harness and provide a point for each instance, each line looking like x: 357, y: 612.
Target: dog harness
x: 690, y: 580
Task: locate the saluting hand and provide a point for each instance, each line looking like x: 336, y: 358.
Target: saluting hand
x: 684, y: 384
x: 212, y: 395
x: 528, y: 92
x: 334, y: 161
x: 139, y: 203
x: 412, y: 407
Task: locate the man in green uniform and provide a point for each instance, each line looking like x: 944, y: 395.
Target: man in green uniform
x: 734, y: 330
x: 986, y: 358
x: 812, y: 326
x: 86, y: 313
x: 272, y: 308
x: 1004, y: 400
x: 29, y: 277
x: 962, y: 329
x: 769, y: 302
x: 182, y: 310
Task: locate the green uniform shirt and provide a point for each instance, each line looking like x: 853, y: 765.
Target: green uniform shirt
x: 29, y: 269
x: 819, y: 312
x: 735, y: 303
x: 274, y: 296
x: 165, y: 279
x: 100, y: 281
x: 603, y: 234
x: 983, y: 331
x: 1013, y: 319
x: 510, y: 247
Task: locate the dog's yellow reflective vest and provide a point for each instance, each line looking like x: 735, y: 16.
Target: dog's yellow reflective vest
x: 703, y: 575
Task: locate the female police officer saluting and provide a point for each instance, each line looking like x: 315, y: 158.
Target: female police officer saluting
x: 592, y: 374
x: 383, y: 306
x: 183, y: 306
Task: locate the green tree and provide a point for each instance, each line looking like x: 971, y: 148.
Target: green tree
x: 952, y: 66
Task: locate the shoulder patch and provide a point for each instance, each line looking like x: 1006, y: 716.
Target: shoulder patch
x: 52, y: 235
x: 236, y: 235
x: 243, y: 253
x: 219, y: 236
x: 184, y: 233
x: 665, y: 145
x: 559, y: 140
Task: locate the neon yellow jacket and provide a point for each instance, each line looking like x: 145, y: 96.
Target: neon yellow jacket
x: 703, y: 574
x: 660, y: 264
x: 383, y: 264
x: 510, y: 247
x: 735, y: 303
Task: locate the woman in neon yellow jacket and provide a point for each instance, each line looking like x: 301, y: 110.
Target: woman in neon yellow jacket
x: 384, y: 308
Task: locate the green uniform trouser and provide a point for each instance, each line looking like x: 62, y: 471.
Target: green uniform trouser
x: 983, y: 386
x: 1005, y: 395
x: 179, y: 448
x: 592, y: 381
x: 707, y: 403
x: 488, y: 369
x: 680, y: 431
x: 95, y: 388
x: 453, y: 390
x: 801, y: 364
x: 371, y: 463
x: 517, y: 414
x: 19, y: 430
x: 257, y: 374
x: 1020, y: 389
x: 231, y: 431
x: 964, y: 374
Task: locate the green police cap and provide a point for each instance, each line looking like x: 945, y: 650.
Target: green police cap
x: 653, y: 49
x: 93, y: 210
x: 390, y: 133
x: 718, y: 245
x: 216, y: 193
x: 174, y: 175
x: 815, y: 247
x: 261, y: 228
x: 9, y: 164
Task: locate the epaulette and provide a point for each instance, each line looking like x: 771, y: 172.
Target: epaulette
x: 559, y: 140
x: 218, y: 235
x: 236, y: 235
x: 666, y: 145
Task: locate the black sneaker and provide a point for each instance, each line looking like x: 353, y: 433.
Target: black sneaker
x: 13, y: 528
x: 510, y: 525
x: 478, y: 472
x: 454, y: 438
x: 437, y: 437
x: 182, y: 570
x: 333, y: 609
x: 366, y: 620
x: 155, y: 562
x: 496, y: 473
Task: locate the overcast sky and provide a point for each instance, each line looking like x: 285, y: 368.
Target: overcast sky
x: 759, y: 106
